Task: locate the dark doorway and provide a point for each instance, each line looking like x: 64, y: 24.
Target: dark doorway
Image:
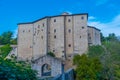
x: 46, y: 70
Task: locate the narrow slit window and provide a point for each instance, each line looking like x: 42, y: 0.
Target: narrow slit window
x: 54, y: 36
x: 54, y: 20
x: 69, y: 20
x: 54, y: 30
x: 82, y: 17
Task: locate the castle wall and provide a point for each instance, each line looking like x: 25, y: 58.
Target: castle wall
x: 40, y: 38
x: 56, y: 35
x: 69, y: 35
x: 25, y: 41
x: 63, y: 35
x: 80, y: 34
x: 93, y: 36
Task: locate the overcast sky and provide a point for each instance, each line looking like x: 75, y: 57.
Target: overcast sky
x: 103, y: 14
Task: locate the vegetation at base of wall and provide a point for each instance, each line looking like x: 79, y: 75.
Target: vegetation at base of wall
x: 51, y: 54
x: 14, y: 70
x: 108, y: 56
x: 7, y: 38
x: 87, y: 68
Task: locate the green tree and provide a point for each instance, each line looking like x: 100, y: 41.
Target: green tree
x: 87, y: 68
x: 4, y: 50
x: 14, y: 70
x: 6, y: 37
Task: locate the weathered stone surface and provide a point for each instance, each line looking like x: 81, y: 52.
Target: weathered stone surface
x: 55, y: 65
x: 64, y: 35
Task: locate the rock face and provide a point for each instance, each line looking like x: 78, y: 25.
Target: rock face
x: 47, y: 66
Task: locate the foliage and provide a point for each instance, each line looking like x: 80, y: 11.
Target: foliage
x: 6, y: 38
x: 14, y: 70
x: 51, y: 54
x: 13, y: 41
x: 96, y: 51
x: 4, y: 50
x: 102, y: 62
x: 87, y: 68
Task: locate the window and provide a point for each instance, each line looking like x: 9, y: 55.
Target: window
x: 43, y: 24
x: 82, y: 27
x: 41, y: 29
x: 82, y: 17
x: 54, y: 30
x: 54, y: 20
x: 23, y: 30
x: 69, y: 20
x: 38, y: 26
x: 41, y: 37
x: 89, y: 37
x: 80, y: 36
x: 29, y: 30
x: 55, y: 36
x: 69, y: 30
x: 53, y: 50
x: 69, y: 45
x: 38, y: 32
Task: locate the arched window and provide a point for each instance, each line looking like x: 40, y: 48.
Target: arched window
x: 46, y: 70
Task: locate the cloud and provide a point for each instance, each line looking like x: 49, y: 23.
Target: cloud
x: 91, y: 18
x: 101, y: 2
x: 110, y: 27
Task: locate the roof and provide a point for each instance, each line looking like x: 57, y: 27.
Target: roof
x: 94, y: 28
x: 52, y: 17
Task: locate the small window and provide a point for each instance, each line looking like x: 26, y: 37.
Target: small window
x: 34, y: 34
x: 30, y: 46
x: 80, y: 36
x: 89, y: 37
x: 38, y: 26
x: 82, y: 27
x: 69, y: 45
x: 43, y: 24
x: 54, y: 30
x: 82, y: 17
x: 54, y: 20
x: 41, y: 29
x: 38, y: 32
x: 29, y: 30
x: 69, y: 20
x: 62, y: 51
x: 41, y: 37
x: 55, y: 36
x: 53, y: 50
x: 23, y: 30
x: 69, y: 30
x: 88, y: 34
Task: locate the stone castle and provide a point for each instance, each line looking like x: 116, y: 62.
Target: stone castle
x: 65, y: 35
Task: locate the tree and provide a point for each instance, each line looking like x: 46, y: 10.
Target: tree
x: 4, y: 51
x: 14, y: 70
x: 87, y: 68
x: 6, y: 38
